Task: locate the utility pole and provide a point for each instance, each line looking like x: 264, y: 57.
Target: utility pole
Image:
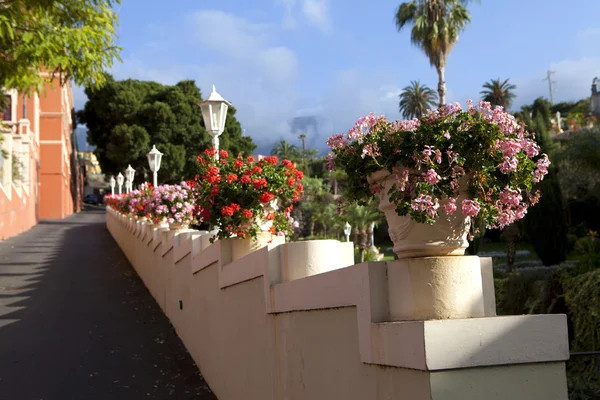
x: 550, y: 82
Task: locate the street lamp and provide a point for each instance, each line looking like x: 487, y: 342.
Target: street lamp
x: 112, y: 185
x: 214, y: 113
x: 120, y: 179
x: 130, y: 173
x: 127, y: 185
x: 154, y: 158
x: 347, y: 231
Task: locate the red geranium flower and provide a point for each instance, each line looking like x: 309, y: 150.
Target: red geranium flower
x: 271, y: 159
x: 291, y: 181
x: 227, y: 211
x: 251, y: 159
x: 266, y: 197
x: 211, y: 152
x: 212, y: 170
x: 213, y: 179
x: 245, y: 179
x: 257, y: 170
x: 299, y: 174
x: 223, y: 154
x: 247, y: 213
x: 238, y: 163
x: 231, y: 178
x: 288, y: 164
x: 258, y: 183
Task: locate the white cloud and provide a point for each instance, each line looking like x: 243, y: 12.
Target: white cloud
x: 573, y: 81
x: 288, y: 21
x: 317, y: 12
x: 227, y: 33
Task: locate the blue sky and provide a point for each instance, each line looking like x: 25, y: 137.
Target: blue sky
x: 337, y: 60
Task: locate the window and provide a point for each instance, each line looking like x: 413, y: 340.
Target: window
x: 7, y: 114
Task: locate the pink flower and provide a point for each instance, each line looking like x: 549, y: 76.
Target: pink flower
x: 330, y: 161
x: 452, y: 156
x: 438, y: 157
x: 511, y: 198
x: 402, y: 179
x: 447, y: 135
x: 542, y: 168
x: 427, y: 204
x: 509, y: 147
x: 431, y: 177
x: 470, y: 208
x: 406, y: 126
x: 370, y: 150
x: 337, y: 141
x: 450, y: 206
x: 509, y: 165
x: 530, y: 147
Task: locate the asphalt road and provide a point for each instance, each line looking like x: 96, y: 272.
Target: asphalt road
x: 77, y: 323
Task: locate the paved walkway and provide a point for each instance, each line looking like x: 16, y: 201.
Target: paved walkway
x: 77, y: 323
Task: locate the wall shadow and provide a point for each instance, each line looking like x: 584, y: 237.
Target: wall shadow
x: 77, y: 323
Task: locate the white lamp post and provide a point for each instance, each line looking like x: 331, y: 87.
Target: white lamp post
x: 154, y: 158
x: 130, y: 172
x: 214, y: 113
x: 112, y: 185
x: 347, y: 231
x: 127, y: 183
x: 120, y: 179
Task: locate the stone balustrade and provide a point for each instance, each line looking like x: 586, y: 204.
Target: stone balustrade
x: 301, y: 321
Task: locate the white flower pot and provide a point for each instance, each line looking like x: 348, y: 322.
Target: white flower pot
x: 178, y: 226
x: 243, y: 247
x: 446, y: 237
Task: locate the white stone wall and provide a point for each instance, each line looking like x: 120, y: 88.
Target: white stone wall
x: 298, y: 321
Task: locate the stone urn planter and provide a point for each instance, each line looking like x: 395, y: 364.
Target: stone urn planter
x: 446, y: 237
x: 178, y: 226
x: 242, y: 247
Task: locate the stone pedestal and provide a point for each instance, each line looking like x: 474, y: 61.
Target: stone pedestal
x: 443, y: 309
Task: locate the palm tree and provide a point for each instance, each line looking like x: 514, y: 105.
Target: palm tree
x: 416, y: 99
x: 498, y: 93
x: 285, y: 150
x: 311, y: 154
x: 302, y: 137
x: 361, y: 218
x: 435, y: 28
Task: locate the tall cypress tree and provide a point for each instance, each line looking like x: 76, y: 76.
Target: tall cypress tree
x: 546, y: 222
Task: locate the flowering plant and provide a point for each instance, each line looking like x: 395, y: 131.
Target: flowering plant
x: 242, y: 197
x: 173, y: 204
x: 111, y: 200
x: 482, y: 152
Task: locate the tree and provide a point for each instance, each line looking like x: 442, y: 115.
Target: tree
x: 302, y: 137
x: 498, y: 93
x: 361, y: 218
x: 285, y: 150
x: 71, y: 39
x: 546, y: 222
x: 315, y: 203
x: 435, y: 28
x: 416, y: 99
x: 125, y: 118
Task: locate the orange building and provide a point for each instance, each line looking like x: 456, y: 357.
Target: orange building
x: 40, y: 176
